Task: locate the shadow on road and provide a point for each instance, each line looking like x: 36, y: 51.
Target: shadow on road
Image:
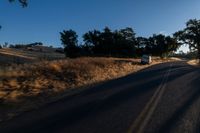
x: 192, y: 96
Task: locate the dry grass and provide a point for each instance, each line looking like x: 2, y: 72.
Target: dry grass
x: 29, y: 85
x: 19, y: 56
x: 194, y: 62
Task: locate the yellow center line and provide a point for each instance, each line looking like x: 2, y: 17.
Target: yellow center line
x: 139, y: 124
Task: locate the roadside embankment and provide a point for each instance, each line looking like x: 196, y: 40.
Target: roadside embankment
x: 28, y: 86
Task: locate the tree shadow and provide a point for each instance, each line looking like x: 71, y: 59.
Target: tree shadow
x: 179, y: 113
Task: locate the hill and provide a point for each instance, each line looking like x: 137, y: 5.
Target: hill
x: 28, y: 55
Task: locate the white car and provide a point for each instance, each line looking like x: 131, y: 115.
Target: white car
x: 146, y: 59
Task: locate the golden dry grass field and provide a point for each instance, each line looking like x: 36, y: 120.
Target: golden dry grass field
x: 34, y: 82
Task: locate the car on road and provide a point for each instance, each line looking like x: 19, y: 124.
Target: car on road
x: 146, y: 59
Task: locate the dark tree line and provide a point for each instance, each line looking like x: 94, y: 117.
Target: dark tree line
x: 118, y: 43
x: 159, y: 45
x: 110, y: 43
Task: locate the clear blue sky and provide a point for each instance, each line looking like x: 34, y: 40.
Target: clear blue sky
x: 42, y: 20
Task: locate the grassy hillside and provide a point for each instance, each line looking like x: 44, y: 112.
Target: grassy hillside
x: 19, y: 56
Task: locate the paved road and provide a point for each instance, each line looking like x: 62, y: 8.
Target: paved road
x: 162, y: 98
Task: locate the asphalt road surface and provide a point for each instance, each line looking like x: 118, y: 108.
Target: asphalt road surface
x: 162, y: 98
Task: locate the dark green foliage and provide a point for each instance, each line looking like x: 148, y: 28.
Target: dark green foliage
x: 125, y: 42
x: 108, y: 43
x: 92, y: 41
x: 72, y: 51
x: 190, y: 35
x: 143, y: 46
x: 157, y: 45
x: 69, y: 40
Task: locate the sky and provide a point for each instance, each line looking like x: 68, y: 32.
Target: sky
x: 42, y: 20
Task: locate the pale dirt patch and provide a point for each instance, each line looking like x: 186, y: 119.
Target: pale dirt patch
x: 194, y: 62
x: 176, y: 59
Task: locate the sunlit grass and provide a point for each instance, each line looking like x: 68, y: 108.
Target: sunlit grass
x: 57, y: 76
x: 20, y: 56
x: 194, y: 62
x: 15, y: 53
